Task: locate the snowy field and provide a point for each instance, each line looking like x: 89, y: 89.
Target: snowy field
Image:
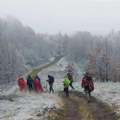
x: 107, y: 92
x: 28, y: 106
x: 33, y: 106
x: 58, y: 71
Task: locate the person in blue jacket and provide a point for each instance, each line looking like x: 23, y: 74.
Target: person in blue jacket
x: 29, y: 83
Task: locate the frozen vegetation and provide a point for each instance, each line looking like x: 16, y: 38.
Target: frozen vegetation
x: 25, y: 105
x: 17, y: 105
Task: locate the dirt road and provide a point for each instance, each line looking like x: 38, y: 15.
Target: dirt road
x: 76, y: 107
x: 35, y: 71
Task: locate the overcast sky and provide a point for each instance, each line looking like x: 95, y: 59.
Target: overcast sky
x: 67, y: 16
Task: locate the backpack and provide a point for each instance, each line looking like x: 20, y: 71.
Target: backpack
x: 88, y: 85
x: 52, y: 79
x: 66, y: 82
x: 91, y: 87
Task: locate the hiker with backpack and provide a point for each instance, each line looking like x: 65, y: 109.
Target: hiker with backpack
x: 88, y: 85
x: 50, y: 81
x: 66, y: 84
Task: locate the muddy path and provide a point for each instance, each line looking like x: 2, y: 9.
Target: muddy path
x: 76, y: 107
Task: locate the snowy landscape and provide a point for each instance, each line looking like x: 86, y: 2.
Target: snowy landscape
x: 52, y: 39
x: 35, y: 106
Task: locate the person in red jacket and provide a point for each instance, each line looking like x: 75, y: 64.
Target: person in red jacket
x: 21, y: 83
x: 37, y: 84
x: 88, y: 85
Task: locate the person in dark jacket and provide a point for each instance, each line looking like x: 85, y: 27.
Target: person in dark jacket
x: 71, y: 80
x: 29, y: 83
x: 50, y: 81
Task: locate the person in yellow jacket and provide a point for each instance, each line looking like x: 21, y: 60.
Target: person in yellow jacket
x: 66, y: 84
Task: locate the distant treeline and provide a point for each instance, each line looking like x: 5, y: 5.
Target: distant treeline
x: 21, y: 48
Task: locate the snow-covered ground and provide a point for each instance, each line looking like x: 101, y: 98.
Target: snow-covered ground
x: 58, y: 71
x: 27, y: 106
x: 33, y: 106
x: 107, y: 92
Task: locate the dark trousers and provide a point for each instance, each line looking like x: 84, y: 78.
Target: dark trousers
x: 88, y: 94
x: 71, y: 85
x: 66, y: 91
x: 51, y: 88
x: 30, y: 87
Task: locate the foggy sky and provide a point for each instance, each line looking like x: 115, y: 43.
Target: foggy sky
x: 66, y: 16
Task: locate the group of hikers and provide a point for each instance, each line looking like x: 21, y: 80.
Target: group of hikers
x: 86, y: 83
x: 35, y: 84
